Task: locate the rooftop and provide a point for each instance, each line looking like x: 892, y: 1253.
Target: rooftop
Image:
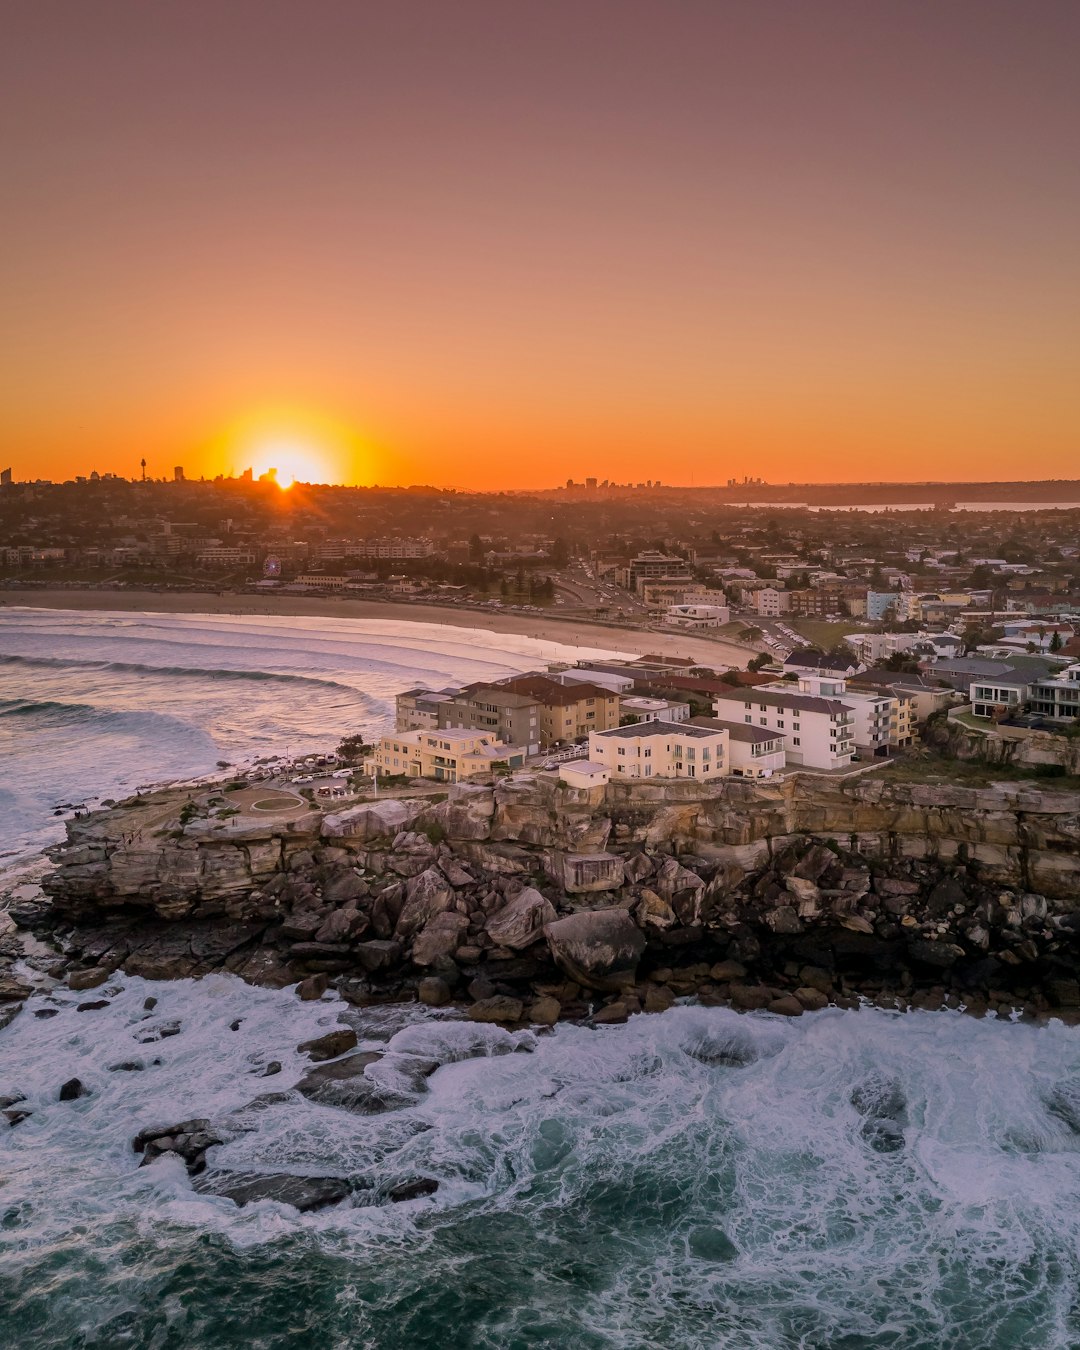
x: 737, y: 731
x: 805, y: 702
x: 632, y: 733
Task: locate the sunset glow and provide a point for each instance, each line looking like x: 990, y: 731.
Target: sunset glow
x: 500, y: 246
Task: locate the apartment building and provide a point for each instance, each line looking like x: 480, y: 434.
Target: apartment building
x: 753, y: 752
x: 395, y: 548
x: 661, y: 750
x: 770, y: 602
x: 817, y: 601
x: 223, y: 556
x: 447, y: 756
x: 418, y: 709
x: 644, y: 709
x: 567, y: 711
x: 654, y: 566
x: 489, y: 708
x: 817, y: 725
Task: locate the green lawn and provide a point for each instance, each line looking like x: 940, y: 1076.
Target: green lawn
x: 821, y: 633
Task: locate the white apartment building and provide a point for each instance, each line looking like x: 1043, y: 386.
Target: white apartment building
x: 654, y: 709
x: 870, y: 648
x: 875, y: 710
x: 323, y: 580
x: 697, y: 616
x: 661, y: 750
x: 817, y: 725
x: 395, y: 548
x: 770, y: 603
x: 223, y: 556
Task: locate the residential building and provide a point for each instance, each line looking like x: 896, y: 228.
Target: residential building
x: 509, y: 717
x: 654, y: 566
x: 222, y: 556
x: 880, y: 603
x: 870, y: 648
x: 810, y: 661
x: 753, y: 752
x: 532, y: 710
x: 394, y: 548
x: 418, y: 709
x: 1058, y: 696
x: 661, y: 750
x: 584, y: 773
x: 770, y: 602
x: 607, y: 679
x: 448, y: 755
x: 998, y: 696
x: 644, y: 709
x: 697, y: 616
x: 817, y: 724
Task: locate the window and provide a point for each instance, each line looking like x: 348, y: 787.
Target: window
x: 764, y: 721
x: 648, y: 752
x: 648, y: 770
x: 748, y: 718
x: 795, y: 726
x: 780, y: 724
x: 796, y: 741
x: 622, y: 750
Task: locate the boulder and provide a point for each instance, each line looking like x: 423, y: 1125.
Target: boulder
x: 302, y: 1193
x: 521, y: 922
x: 87, y: 979
x: 427, y: 894
x: 371, y: 820
x: 612, y: 1014
x: 599, y: 949
x: 313, y: 987
x: 440, y: 938
x: 652, y: 911
x: 331, y: 1045
x: 545, y: 1011
x: 412, y: 1190
x: 72, y: 1090
x: 787, y: 1006
x: 497, y: 1008
x: 433, y: 991
x: 378, y: 954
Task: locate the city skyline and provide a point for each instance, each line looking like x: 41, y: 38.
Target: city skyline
x: 488, y: 249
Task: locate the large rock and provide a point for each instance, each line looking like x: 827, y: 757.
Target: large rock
x: 584, y: 873
x: 371, y: 820
x: 440, y: 938
x: 521, y: 922
x: 302, y: 1193
x: 426, y: 895
x: 598, y: 948
x: 331, y: 1045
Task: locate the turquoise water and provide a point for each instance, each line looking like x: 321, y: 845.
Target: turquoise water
x: 691, y: 1179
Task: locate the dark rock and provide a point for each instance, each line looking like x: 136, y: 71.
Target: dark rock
x: 331, y: 1045
x: 545, y: 1011
x: 46, y: 1012
x: 271, y: 1069
x: 599, y: 949
x: 412, y: 1190
x: 939, y: 954
x: 433, y: 991
x: 497, y: 1008
x: 12, y: 989
x: 72, y: 1090
x: 15, y: 1115
x: 377, y: 955
x: 787, y: 1006
x: 149, y: 1004
x: 87, y: 979
x: 750, y: 997
x: 313, y: 988
x: 92, y: 1005
x: 302, y: 1193
x: 813, y: 1000
x: 612, y: 1014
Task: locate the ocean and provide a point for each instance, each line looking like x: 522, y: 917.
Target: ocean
x: 691, y: 1179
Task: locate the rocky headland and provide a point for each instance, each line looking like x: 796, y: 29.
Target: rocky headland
x: 526, y: 901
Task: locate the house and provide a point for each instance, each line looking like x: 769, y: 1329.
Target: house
x: 810, y: 661
x: 818, y: 727
x: 661, y: 750
x: 639, y: 708
x: 753, y: 752
x: 584, y: 773
x: 446, y: 755
x: 1057, y: 696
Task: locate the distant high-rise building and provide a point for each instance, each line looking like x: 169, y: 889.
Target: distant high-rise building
x: 246, y: 476
x: 178, y: 474
x: 142, y: 465
x: 590, y: 483
x: 5, y: 477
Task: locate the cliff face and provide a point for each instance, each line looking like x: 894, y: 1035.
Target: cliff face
x: 834, y: 872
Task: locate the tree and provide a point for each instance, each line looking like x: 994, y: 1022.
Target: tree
x: 476, y: 548
x: 1056, y: 643
x: 758, y: 661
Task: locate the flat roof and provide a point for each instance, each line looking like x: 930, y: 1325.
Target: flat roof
x: 658, y: 729
x: 739, y: 731
x: 807, y: 702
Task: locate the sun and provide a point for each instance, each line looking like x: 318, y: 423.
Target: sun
x: 288, y: 462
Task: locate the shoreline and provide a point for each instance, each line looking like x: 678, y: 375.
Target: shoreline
x: 543, y: 627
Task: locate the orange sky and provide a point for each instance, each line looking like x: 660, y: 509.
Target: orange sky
x: 498, y: 246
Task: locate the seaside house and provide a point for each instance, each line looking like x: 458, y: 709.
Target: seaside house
x: 446, y: 755
x: 662, y: 750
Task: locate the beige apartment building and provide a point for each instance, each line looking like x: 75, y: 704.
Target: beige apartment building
x: 532, y: 710
x: 447, y: 756
x: 662, y: 750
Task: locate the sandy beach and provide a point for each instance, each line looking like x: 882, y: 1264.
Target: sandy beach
x: 545, y: 627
